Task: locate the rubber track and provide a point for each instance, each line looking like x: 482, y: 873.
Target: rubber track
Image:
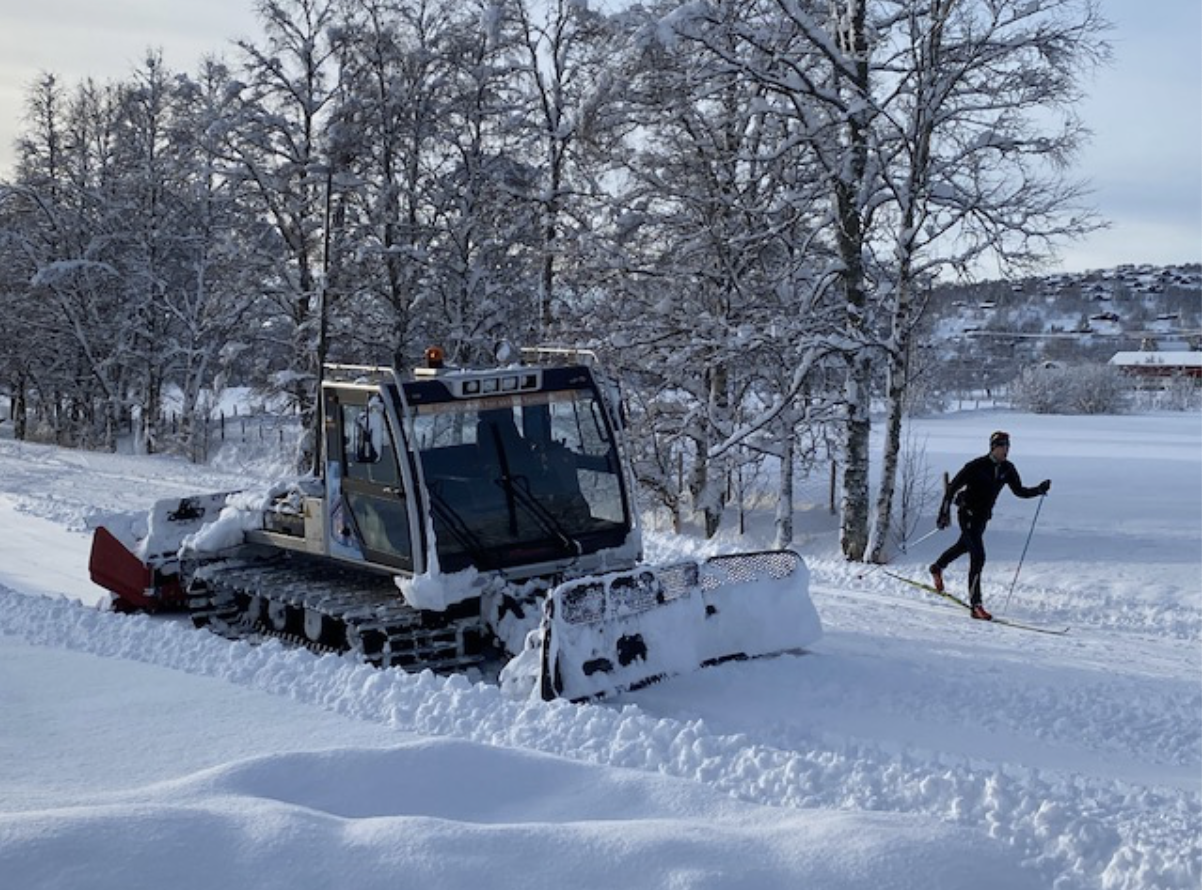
x: 331, y: 609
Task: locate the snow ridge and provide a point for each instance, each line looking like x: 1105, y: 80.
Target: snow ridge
x: 1127, y: 837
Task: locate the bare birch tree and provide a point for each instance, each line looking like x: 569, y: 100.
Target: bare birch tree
x: 977, y: 130
x: 279, y: 140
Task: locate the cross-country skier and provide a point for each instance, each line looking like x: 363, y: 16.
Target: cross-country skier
x: 974, y: 490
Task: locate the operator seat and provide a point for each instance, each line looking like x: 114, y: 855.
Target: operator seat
x: 501, y: 447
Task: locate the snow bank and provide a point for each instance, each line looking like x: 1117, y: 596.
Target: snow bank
x: 1049, y: 844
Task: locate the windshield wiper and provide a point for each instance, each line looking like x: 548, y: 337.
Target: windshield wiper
x: 521, y: 494
x: 461, y: 531
x: 515, y: 494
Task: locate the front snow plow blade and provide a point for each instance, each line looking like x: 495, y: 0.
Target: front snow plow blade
x: 142, y: 571
x: 115, y: 568
x: 628, y: 629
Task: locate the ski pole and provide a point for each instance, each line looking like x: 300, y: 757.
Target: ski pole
x: 910, y: 544
x: 1038, y: 507
x: 881, y: 565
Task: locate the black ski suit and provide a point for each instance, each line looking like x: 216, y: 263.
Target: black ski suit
x: 975, y: 489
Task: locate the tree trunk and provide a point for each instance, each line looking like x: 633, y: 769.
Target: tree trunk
x: 853, y: 538
x: 893, y: 427
x: 550, y: 234
x: 709, y: 491
x: 20, y: 409
x: 852, y: 41
x: 897, y: 374
x: 784, y: 502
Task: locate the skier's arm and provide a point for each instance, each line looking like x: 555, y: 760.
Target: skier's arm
x: 1016, y: 485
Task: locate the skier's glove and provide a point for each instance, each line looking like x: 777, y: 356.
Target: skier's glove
x: 944, y: 519
x: 1044, y: 486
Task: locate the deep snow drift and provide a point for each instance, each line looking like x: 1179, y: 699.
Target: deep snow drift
x: 911, y: 748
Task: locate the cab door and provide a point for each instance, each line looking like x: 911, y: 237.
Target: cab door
x: 369, y: 504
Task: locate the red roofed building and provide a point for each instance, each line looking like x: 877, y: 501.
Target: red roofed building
x: 1153, y: 365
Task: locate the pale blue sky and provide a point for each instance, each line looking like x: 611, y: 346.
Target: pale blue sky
x: 1145, y: 161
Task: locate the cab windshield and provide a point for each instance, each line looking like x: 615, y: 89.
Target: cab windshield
x: 521, y: 479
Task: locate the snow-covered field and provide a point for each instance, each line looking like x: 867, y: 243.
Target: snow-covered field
x: 910, y: 748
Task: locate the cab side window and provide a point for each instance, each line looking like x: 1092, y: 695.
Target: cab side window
x: 368, y: 454
x: 371, y: 483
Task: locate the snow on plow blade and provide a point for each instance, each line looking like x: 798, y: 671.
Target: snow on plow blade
x: 142, y: 572
x: 625, y: 630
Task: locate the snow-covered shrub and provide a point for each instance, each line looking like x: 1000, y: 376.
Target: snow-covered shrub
x: 916, y: 490
x: 1182, y: 394
x: 1178, y: 393
x: 925, y: 397
x: 1079, y: 389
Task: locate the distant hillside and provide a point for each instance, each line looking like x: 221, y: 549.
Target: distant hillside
x: 981, y: 336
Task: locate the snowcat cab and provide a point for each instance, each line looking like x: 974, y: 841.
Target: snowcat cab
x: 458, y: 510
x: 515, y: 471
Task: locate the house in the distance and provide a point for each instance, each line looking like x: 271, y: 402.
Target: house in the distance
x: 1156, y: 367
